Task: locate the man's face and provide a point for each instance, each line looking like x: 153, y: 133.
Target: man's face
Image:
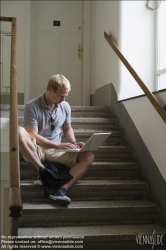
x: 59, y: 95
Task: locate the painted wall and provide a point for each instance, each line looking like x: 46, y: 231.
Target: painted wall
x: 151, y: 128
x: 132, y: 27
x: 4, y: 173
x: 138, y: 46
x: 16, y: 9
x: 104, y: 63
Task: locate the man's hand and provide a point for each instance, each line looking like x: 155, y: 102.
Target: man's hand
x: 79, y: 144
x: 67, y: 145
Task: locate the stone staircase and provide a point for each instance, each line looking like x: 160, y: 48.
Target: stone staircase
x: 109, y: 209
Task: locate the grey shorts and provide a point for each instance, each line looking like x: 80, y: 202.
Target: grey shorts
x: 69, y: 159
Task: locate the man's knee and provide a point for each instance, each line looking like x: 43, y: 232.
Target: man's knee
x: 87, y: 157
x: 22, y: 134
x: 90, y: 157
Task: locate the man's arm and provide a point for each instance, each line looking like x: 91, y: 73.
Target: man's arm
x: 69, y: 135
x: 45, y: 143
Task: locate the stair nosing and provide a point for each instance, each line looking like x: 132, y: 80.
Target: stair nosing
x: 98, y: 182
x: 127, y: 204
x: 96, y: 230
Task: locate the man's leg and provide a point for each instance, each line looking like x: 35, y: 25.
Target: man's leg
x: 27, y: 148
x: 84, y: 161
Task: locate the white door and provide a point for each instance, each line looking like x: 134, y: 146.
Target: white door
x: 54, y: 49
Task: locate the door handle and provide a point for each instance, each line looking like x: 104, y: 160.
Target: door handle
x: 79, y: 51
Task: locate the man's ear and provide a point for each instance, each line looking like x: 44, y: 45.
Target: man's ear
x: 50, y: 90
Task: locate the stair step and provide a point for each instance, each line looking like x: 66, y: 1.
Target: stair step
x: 76, y: 111
x: 95, y: 120
x: 116, y: 153
x: 91, y: 190
x: 114, y: 138
x: 108, y: 205
x: 93, y: 123
x: 105, y: 237
x: 98, y: 170
x: 38, y: 214
x: 90, y: 111
x: 111, y: 153
x: 112, y: 170
x: 83, y: 135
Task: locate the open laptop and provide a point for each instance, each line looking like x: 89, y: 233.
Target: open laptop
x: 93, y: 143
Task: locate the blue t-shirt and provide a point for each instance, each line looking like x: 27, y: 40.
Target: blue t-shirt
x: 36, y: 113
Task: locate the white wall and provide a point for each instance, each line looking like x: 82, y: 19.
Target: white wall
x: 138, y: 47
x: 16, y: 9
x: 132, y: 27
x: 151, y: 128
x: 4, y: 173
x: 23, y: 11
x: 105, y: 64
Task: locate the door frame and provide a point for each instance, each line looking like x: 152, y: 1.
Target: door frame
x: 86, y: 65
x: 86, y: 42
x: 27, y: 27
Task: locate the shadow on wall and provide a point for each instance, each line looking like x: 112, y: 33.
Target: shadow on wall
x: 5, y: 99
x: 148, y: 170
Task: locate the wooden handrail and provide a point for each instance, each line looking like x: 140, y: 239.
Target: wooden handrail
x: 7, y: 19
x: 150, y: 96
x: 15, y: 202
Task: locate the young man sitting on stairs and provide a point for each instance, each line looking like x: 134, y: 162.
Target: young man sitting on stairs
x: 44, y: 119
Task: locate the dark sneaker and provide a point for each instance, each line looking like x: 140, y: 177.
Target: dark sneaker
x: 60, y: 197
x: 38, y: 180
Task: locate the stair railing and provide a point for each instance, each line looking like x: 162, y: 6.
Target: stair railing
x: 15, y: 202
x: 150, y: 96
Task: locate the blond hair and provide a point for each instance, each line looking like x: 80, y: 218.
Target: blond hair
x: 57, y: 82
